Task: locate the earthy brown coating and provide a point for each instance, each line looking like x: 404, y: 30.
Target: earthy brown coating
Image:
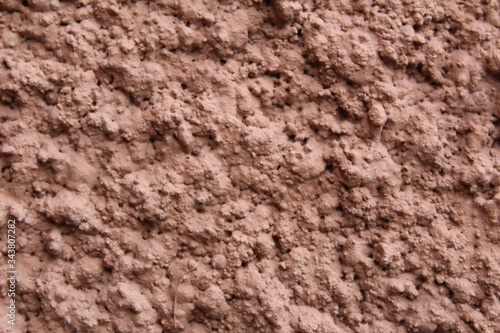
x: 314, y: 165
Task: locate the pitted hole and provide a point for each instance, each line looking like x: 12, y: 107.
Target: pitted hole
x: 342, y: 113
x: 276, y: 75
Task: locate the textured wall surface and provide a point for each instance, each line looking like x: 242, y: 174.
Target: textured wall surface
x: 279, y: 166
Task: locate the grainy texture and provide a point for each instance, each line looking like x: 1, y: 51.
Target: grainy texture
x: 317, y: 166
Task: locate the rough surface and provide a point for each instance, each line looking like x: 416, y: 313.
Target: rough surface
x: 252, y: 166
